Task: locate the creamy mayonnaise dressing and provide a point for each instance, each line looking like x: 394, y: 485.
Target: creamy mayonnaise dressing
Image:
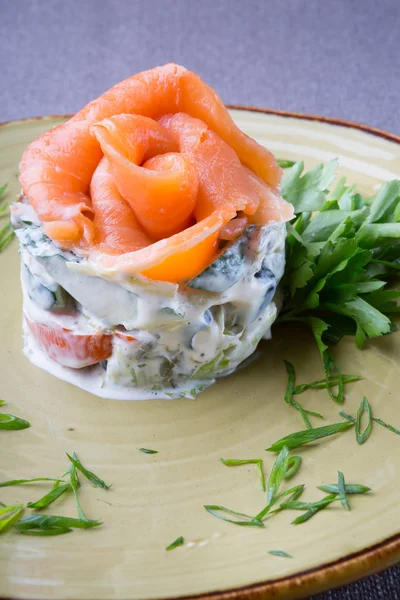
x: 167, y: 340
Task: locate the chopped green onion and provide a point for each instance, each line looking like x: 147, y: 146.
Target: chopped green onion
x: 364, y: 407
x: 178, y: 542
x: 96, y: 481
x: 49, y: 498
x: 12, y: 423
x: 23, y: 481
x: 36, y: 521
x: 300, y: 438
x: 221, y: 513
x: 148, y: 451
x: 342, y: 491
x: 9, y: 515
x: 350, y: 488
x: 280, y: 553
x: 293, y: 466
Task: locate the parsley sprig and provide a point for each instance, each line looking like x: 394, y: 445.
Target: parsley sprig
x: 342, y: 249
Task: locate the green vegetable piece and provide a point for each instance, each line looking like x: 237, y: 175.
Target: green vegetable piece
x: 350, y: 488
x: 320, y: 384
x: 389, y: 427
x: 178, y: 542
x: 294, y: 464
x: 342, y: 491
x: 300, y: 438
x: 294, y: 492
x: 364, y: 407
x: 37, y: 521
x: 222, y: 513
x: 148, y: 451
x: 284, y: 163
x: 278, y: 473
x: 290, y: 390
x: 49, y: 498
x: 12, y: 423
x: 9, y: 515
x: 23, y: 481
x: 96, y: 481
x: 280, y: 553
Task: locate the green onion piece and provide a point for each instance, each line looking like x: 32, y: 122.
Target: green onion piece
x: 278, y: 473
x: 300, y: 438
x: 148, y: 451
x: 347, y: 417
x: 280, y: 553
x: 75, y: 485
x: 292, y: 402
x: 96, y: 481
x: 350, y: 488
x: 9, y: 515
x: 293, y: 466
x: 36, y: 521
x: 178, y: 542
x: 364, y: 407
x: 284, y: 163
x: 235, y: 462
x: 221, y: 513
x: 314, y: 508
x: 295, y: 492
x: 22, y: 481
x: 46, y: 532
x: 49, y: 498
x: 320, y: 384
x: 390, y: 427
x: 342, y: 491
x: 12, y: 423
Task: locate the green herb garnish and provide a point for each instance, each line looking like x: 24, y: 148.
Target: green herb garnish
x: 7, y: 232
x: 75, y: 485
x: 278, y: 473
x: 284, y: 163
x: 148, y: 451
x: 364, y: 407
x: 342, y: 250
x: 294, y: 492
x: 311, y: 508
x: 178, y: 542
x: 46, y: 532
x: 12, y: 423
x: 342, y: 491
x: 349, y: 488
x: 300, y: 438
x: 96, y: 481
x: 234, y: 462
x: 9, y: 515
x: 222, y: 513
x: 320, y: 384
x: 280, y: 553
x: 390, y: 427
x: 292, y: 402
x: 23, y: 481
x: 49, y: 498
x: 50, y: 521
x: 294, y: 464
x: 375, y: 419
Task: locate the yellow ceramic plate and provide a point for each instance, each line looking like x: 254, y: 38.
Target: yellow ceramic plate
x: 156, y: 498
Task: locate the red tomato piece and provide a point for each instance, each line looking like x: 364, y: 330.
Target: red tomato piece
x: 70, y: 349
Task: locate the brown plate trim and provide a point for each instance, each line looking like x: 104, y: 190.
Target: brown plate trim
x: 344, y: 570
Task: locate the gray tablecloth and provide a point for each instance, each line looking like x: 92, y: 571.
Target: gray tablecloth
x: 332, y: 57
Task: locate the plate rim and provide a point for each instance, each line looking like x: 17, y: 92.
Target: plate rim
x: 346, y: 569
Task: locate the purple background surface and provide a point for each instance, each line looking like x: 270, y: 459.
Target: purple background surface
x: 337, y: 58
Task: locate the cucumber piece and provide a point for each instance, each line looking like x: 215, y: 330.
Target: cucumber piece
x: 44, y: 296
